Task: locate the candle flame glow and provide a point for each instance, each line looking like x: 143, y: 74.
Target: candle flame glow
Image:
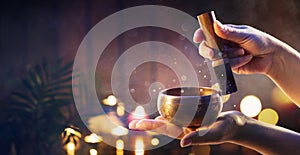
x: 139, y: 112
x: 120, y: 144
x: 92, y: 138
x: 110, y: 100
x: 93, y: 152
x: 119, y: 147
x: 71, y: 148
x: 120, y: 109
x: 139, y: 147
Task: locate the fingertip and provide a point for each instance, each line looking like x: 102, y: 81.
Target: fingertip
x: 185, y: 142
x: 189, y: 139
x: 132, y: 124
x: 198, y: 36
x: 205, y: 51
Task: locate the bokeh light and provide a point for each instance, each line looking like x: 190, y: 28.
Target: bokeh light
x: 139, y: 112
x: 139, y: 146
x: 119, y: 131
x: 110, y: 100
x: 119, y: 144
x: 250, y: 106
x: 268, y: 116
x: 154, y: 141
x: 93, y: 152
x: 119, y: 147
x: 70, y: 148
x: 120, y: 109
x: 92, y: 138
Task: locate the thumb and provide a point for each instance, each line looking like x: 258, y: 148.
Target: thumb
x: 234, y: 33
x: 200, y: 137
x: 213, y: 134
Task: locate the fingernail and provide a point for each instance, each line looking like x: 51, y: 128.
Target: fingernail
x: 186, y: 142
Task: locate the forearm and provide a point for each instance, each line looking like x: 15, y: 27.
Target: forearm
x: 267, y: 139
x: 285, y: 71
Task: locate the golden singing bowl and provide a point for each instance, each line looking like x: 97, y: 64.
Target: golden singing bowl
x: 190, y: 106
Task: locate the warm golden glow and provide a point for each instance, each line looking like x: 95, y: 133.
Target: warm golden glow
x: 120, y: 109
x: 93, y: 152
x: 139, y: 112
x: 119, y: 152
x: 279, y: 97
x: 110, y: 100
x: 250, y: 106
x: 119, y: 147
x: 119, y: 131
x: 69, y: 131
x: 139, y: 147
x: 154, y: 141
x: 120, y: 144
x: 71, y: 148
x: 92, y: 138
x: 268, y: 116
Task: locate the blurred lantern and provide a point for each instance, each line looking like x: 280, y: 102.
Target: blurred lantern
x: 70, y: 139
x: 268, y: 116
x: 278, y: 97
x: 250, y: 106
x: 110, y: 100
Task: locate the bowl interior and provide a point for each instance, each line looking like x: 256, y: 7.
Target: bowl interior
x: 189, y: 91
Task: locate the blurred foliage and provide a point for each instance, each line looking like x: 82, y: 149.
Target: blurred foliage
x: 39, y: 110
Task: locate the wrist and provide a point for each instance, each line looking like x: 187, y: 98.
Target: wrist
x: 236, y: 122
x: 277, y: 67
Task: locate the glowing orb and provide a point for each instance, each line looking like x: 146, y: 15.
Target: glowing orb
x: 268, y: 116
x: 250, y: 106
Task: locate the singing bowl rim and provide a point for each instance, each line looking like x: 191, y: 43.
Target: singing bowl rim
x: 163, y: 93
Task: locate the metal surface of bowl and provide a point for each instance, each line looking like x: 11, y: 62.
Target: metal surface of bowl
x: 190, y: 106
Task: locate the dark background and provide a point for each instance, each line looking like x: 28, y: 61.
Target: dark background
x: 32, y: 30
